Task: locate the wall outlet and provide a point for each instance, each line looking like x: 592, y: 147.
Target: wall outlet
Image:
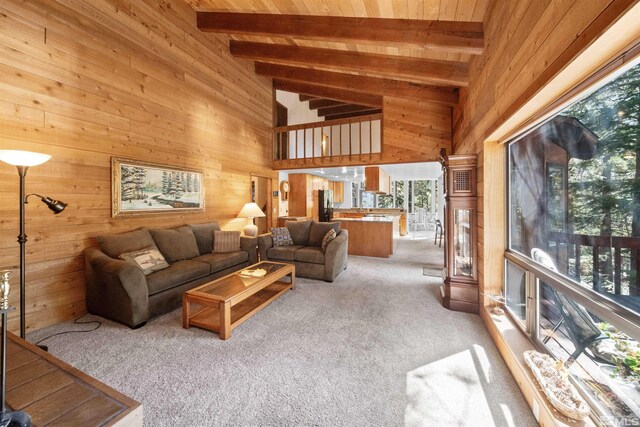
x: 536, y: 410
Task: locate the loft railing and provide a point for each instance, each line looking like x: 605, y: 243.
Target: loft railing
x: 615, y: 260
x: 351, y: 139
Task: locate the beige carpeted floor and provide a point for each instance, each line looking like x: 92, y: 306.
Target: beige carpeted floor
x: 374, y: 348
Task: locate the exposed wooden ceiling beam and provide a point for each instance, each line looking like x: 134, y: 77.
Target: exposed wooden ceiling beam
x: 429, y: 71
x: 304, y: 98
x: 460, y: 37
x: 346, y: 115
x: 366, y: 84
x: 327, y: 92
x: 342, y: 109
x: 314, y: 104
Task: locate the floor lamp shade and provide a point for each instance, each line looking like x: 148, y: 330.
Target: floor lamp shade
x: 250, y: 211
x: 23, y: 158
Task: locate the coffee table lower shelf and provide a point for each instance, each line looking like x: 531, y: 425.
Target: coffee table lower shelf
x: 210, y: 317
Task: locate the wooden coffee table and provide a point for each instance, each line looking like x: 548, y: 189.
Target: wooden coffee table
x: 223, y: 304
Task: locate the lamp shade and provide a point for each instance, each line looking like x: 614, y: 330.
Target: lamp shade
x: 23, y: 158
x: 251, y: 210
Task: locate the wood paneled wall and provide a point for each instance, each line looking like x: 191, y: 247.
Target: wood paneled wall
x: 414, y: 131
x: 88, y: 80
x: 527, y: 44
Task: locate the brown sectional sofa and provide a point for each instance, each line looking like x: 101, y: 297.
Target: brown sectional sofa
x: 306, y: 252
x: 118, y: 290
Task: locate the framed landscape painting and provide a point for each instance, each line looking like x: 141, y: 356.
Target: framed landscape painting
x: 142, y: 188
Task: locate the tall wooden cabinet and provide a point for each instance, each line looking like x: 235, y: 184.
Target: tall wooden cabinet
x: 460, y: 290
x: 338, y: 191
x: 303, y: 194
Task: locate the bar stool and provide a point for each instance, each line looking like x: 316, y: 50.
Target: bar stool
x: 440, y: 230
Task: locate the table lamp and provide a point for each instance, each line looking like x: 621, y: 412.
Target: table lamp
x: 250, y: 211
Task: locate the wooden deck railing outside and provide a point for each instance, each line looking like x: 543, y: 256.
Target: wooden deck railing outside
x: 616, y: 260
x: 350, y: 139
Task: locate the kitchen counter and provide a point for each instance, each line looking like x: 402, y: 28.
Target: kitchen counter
x: 397, y: 216
x: 370, y: 236
x: 368, y: 219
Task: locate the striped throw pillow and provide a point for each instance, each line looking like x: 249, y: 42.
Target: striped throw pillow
x: 281, y: 236
x: 331, y: 234
x: 226, y: 241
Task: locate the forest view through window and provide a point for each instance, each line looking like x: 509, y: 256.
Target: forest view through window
x: 575, y: 190
x: 574, y: 209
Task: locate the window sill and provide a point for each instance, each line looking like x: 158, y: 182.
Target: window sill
x: 512, y: 343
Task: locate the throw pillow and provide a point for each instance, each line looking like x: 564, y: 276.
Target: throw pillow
x: 148, y: 259
x: 331, y: 234
x: 281, y: 236
x: 226, y: 241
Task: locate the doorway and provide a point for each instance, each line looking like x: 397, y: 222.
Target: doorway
x: 261, y: 195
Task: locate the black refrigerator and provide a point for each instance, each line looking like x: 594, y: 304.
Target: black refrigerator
x: 325, y: 205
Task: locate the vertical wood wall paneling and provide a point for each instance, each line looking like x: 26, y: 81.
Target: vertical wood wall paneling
x: 127, y: 79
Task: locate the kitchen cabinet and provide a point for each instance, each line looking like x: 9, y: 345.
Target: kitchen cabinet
x: 338, y: 191
x: 303, y: 194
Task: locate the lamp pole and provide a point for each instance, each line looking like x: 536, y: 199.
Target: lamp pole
x: 22, y: 240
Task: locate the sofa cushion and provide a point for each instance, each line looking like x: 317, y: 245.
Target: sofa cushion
x: 299, y: 231
x: 148, y: 259
x: 178, y: 273
x: 312, y: 254
x: 281, y: 236
x: 176, y: 244
x: 226, y: 241
x: 283, y: 253
x: 116, y: 244
x: 319, y: 230
x: 204, y: 235
x: 225, y: 260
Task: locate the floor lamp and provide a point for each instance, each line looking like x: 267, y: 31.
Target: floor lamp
x: 23, y: 160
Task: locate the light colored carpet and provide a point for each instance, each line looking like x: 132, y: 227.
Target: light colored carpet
x: 373, y: 348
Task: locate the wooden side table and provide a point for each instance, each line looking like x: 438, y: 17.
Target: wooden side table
x: 55, y: 393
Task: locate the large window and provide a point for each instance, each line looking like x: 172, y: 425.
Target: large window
x: 573, y: 257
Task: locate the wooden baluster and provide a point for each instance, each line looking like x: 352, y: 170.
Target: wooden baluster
x: 313, y: 145
x: 370, y: 140
x: 578, y: 252
x: 304, y: 142
x: 340, y: 142
x: 617, y: 275
x: 350, y: 140
x: 280, y: 145
x: 596, y: 273
x: 360, y: 139
x: 330, y: 142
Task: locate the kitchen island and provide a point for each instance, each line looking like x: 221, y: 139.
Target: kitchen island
x: 370, y: 235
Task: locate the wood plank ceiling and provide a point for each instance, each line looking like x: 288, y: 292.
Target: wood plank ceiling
x: 346, y: 55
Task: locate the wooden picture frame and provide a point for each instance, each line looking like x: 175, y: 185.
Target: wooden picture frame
x: 139, y: 188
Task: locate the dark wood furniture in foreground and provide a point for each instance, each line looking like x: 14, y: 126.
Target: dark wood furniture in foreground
x: 54, y: 393
x: 460, y: 290
x: 227, y: 302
